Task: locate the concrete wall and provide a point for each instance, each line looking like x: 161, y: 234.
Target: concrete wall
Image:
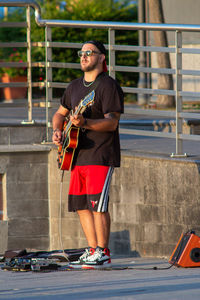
x: 25, y: 197
x: 182, y: 12
x: 152, y: 201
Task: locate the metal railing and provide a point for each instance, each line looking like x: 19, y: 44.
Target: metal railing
x: 178, y: 72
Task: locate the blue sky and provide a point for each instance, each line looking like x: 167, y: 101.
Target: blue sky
x: 1, y: 12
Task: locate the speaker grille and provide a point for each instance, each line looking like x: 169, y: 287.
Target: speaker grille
x: 180, y: 248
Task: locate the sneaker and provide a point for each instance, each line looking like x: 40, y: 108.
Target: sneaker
x: 82, y: 259
x: 99, y: 260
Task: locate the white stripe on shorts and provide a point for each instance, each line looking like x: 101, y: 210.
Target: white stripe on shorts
x: 103, y: 201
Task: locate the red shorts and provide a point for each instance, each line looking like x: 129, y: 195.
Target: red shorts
x: 89, y: 188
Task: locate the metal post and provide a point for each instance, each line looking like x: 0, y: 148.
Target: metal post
x: 49, y: 94
x: 142, y: 83
x: 179, y: 121
x: 29, y: 77
x: 111, y: 51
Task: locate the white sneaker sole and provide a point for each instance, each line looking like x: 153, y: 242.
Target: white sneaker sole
x: 75, y: 266
x: 96, y: 267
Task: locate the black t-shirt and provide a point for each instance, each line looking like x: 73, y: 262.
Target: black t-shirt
x: 96, y: 148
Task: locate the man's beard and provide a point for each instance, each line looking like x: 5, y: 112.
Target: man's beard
x: 90, y: 67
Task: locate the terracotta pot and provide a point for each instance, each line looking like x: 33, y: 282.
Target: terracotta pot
x: 10, y: 93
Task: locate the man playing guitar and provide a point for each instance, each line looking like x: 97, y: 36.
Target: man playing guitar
x: 97, y: 151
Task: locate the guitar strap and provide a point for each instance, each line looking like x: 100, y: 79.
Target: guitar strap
x: 96, y: 83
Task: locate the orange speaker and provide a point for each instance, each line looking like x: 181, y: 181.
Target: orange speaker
x: 187, y: 252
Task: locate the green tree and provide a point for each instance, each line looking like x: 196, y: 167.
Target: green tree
x: 93, y: 10
x: 90, y: 10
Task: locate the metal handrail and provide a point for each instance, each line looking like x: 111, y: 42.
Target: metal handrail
x: 97, y: 24
x: 111, y: 27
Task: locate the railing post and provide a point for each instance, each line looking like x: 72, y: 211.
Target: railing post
x: 49, y: 93
x: 179, y: 121
x: 29, y: 68
x: 142, y: 83
x: 111, y: 52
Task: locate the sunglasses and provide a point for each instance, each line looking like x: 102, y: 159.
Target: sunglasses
x: 87, y: 53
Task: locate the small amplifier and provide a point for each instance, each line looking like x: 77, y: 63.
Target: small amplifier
x: 187, y: 252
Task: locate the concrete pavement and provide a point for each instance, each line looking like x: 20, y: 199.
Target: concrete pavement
x: 139, y: 283
x: 153, y: 146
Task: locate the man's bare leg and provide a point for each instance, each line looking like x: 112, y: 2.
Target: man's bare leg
x: 102, y: 227
x: 87, y: 222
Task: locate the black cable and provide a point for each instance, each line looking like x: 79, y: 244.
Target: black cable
x: 60, y: 217
x: 192, y: 231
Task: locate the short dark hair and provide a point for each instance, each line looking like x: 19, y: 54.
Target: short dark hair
x: 99, y: 45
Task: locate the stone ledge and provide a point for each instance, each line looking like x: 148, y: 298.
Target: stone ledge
x: 25, y: 148
x: 13, y: 123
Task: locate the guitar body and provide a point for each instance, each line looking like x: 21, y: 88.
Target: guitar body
x: 70, y: 136
x: 66, y: 152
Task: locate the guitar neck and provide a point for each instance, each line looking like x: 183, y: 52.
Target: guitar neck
x: 80, y: 109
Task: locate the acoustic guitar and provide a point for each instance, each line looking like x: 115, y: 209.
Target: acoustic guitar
x: 70, y: 135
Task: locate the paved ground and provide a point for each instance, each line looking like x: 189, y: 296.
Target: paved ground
x: 139, y: 283
x: 134, y: 144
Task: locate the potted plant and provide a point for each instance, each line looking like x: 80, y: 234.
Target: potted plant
x: 13, y: 74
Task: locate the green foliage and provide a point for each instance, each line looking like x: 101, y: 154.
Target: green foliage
x: 91, y: 10
x: 13, y: 54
